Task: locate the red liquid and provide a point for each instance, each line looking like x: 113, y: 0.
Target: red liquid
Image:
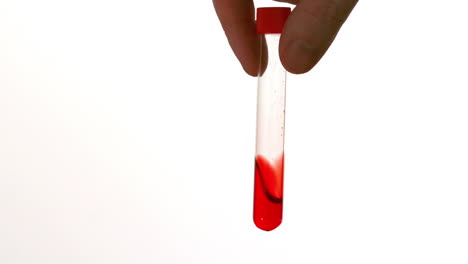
x: 268, y: 193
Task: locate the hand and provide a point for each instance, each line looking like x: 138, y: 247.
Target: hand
x: 309, y: 31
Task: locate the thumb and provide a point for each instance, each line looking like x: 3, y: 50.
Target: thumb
x: 310, y: 30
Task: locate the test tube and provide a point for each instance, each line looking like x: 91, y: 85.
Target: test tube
x: 269, y: 154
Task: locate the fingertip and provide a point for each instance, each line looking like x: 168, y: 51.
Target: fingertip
x: 250, y: 70
x: 309, y: 32
x: 245, y: 47
x: 237, y: 20
x: 298, y: 56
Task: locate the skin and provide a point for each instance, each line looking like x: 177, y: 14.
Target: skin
x: 307, y: 34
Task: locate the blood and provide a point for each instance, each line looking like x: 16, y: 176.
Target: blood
x: 268, y: 193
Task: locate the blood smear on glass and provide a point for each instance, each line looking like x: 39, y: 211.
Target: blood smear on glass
x: 268, y: 193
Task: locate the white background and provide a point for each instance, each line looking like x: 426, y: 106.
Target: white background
x: 127, y: 136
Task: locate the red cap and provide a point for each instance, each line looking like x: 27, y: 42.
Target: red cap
x: 271, y: 20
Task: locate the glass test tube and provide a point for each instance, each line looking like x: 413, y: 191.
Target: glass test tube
x: 269, y: 156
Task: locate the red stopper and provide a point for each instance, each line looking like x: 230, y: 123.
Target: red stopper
x: 270, y: 20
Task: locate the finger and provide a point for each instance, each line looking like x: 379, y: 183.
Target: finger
x: 237, y: 18
x: 310, y: 30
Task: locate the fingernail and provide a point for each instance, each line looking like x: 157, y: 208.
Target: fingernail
x: 300, y: 56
